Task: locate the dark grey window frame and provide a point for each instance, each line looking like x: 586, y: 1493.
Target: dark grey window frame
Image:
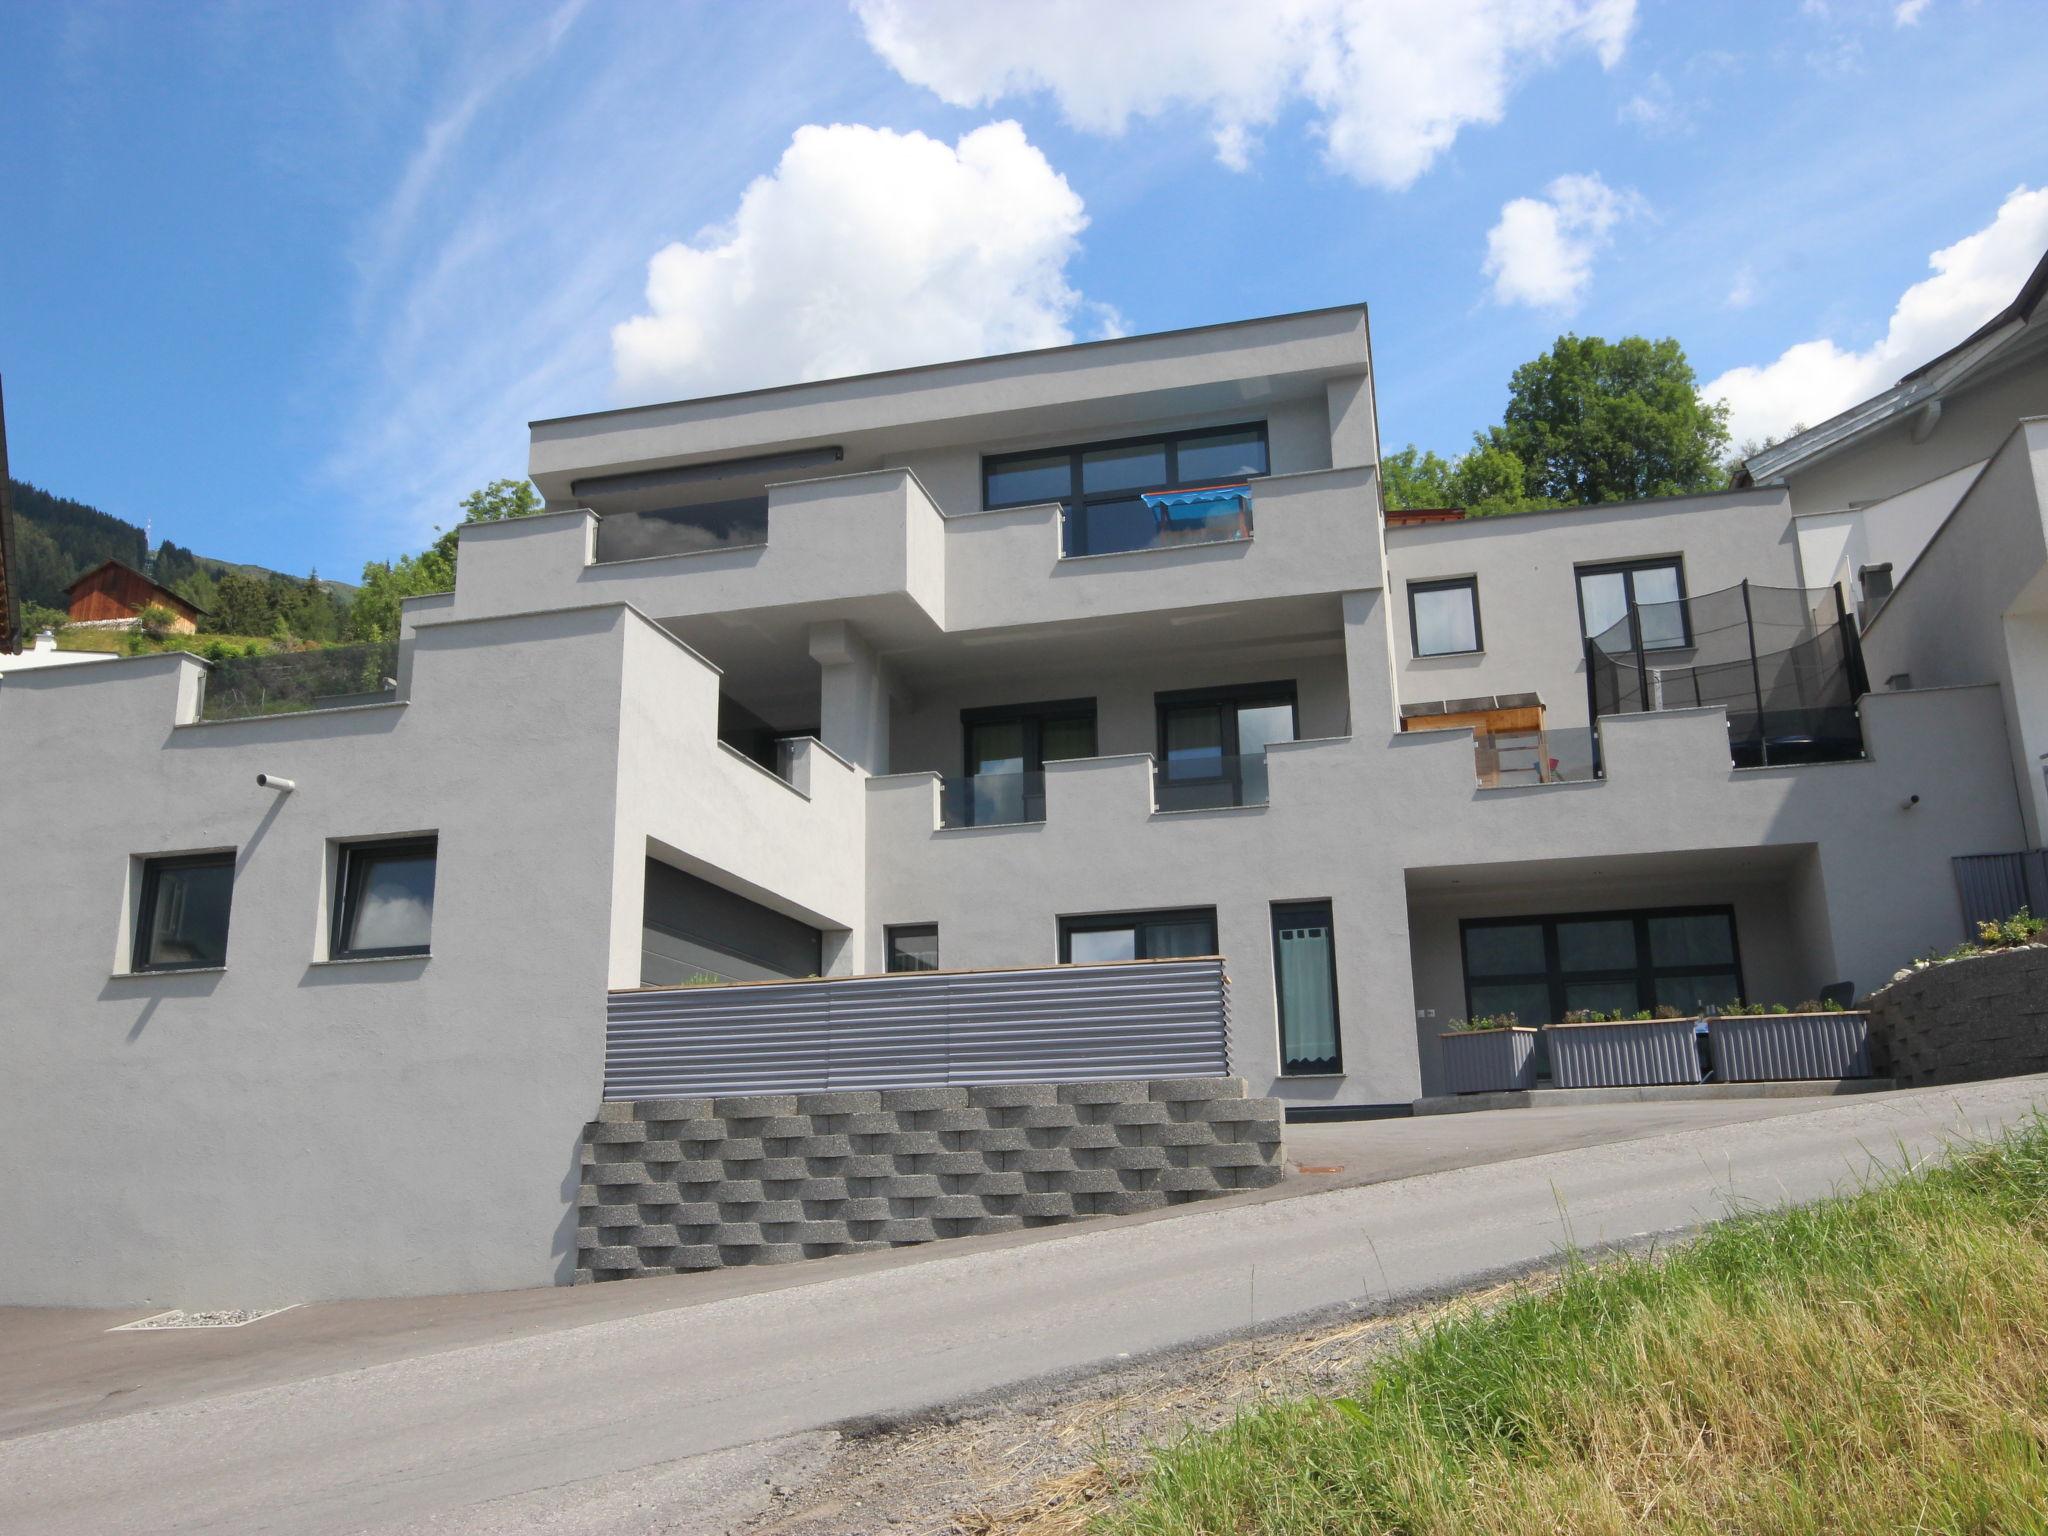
x: 153, y: 869
x: 1449, y: 584
x: 1626, y: 569
x: 1033, y: 718
x: 1644, y: 972
x: 1104, y: 922
x: 1228, y: 699
x: 1075, y: 497
x: 893, y: 932
x: 1295, y: 914
x: 353, y: 861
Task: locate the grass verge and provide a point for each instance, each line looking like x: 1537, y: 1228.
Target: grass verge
x: 1877, y: 1362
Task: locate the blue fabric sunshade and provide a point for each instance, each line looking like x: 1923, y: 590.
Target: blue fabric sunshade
x: 1193, y: 505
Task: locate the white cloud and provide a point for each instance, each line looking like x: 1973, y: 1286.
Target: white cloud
x: 1907, y: 12
x: 864, y: 249
x: 1742, y: 292
x: 1973, y: 279
x: 1541, y: 251
x: 1656, y: 107
x: 1392, y: 82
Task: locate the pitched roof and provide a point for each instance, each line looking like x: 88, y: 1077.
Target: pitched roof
x: 156, y: 586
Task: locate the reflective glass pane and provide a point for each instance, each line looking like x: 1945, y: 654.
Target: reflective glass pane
x: 1302, y: 966
x: 394, y: 902
x: 1604, y: 944
x: 997, y: 747
x: 1605, y: 996
x: 1194, y: 743
x: 1528, y: 1001
x: 1509, y: 949
x: 914, y: 949
x: 1165, y: 940
x: 1123, y: 469
x: 1110, y: 527
x: 1046, y: 477
x: 1706, y: 939
x: 1659, y: 613
x: 1445, y: 621
x: 189, y: 922
x: 1221, y: 458
x: 1260, y: 724
x: 1097, y: 944
x: 1604, y: 597
x: 1695, y: 994
x: 1059, y: 740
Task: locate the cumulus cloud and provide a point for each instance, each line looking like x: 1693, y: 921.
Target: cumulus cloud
x: 1391, y: 82
x: 1907, y: 12
x: 863, y: 249
x: 1973, y: 279
x: 1541, y: 251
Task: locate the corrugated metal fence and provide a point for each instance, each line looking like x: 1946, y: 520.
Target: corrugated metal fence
x: 1995, y: 885
x: 1069, y: 1023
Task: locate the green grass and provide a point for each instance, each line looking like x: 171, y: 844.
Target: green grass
x: 117, y: 641
x: 1873, y: 1363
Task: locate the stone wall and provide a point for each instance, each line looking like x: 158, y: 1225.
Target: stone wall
x: 1985, y: 1016
x: 682, y: 1184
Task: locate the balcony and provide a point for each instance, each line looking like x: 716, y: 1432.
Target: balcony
x: 1784, y: 663
x: 736, y: 524
x: 1210, y: 783
x: 339, y: 677
x: 1218, y: 514
x: 992, y: 799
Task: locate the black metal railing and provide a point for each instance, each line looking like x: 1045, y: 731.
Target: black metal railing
x: 992, y: 799
x: 1784, y: 663
x: 241, y: 687
x: 1210, y: 783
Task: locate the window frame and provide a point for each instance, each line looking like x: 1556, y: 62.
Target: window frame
x: 153, y: 867
x: 1446, y: 584
x: 1110, y: 922
x: 1626, y: 570
x: 1645, y: 972
x: 1076, y: 497
x: 1033, y: 717
x: 1228, y: 699
x: 891, y: 932
x: 1280, y: 913
x: 352, y: 860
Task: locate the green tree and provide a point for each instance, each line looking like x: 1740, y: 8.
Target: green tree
x: 1412, y: 478
x: 386, y: 583
x: 1593, y: 420
x: 242, y: 605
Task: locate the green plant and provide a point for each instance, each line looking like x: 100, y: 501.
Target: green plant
x: 2012, y: 932
x: 1484, y: 1021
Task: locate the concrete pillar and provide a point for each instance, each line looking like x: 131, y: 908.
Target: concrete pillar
x: 1354, y: 435
x: 853, y: 695
x: 1369, y: 665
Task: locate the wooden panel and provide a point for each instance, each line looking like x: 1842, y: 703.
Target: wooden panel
x: 1492, y: 722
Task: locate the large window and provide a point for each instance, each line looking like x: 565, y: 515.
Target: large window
x: 1007, y: 749
x: 1443, y: 616
x: 913, y: 946
x: 1541, y: 968
x: 1138, y: 936
x: 182, y: 923
x: 384, y: 900
x: 1102, y: 484
x: 1305, y: 988
x: 1650, y: 592
x: 1212, y: 743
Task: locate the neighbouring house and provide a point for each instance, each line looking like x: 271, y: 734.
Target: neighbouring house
x: 112, y: 596
x: 1015, y: 667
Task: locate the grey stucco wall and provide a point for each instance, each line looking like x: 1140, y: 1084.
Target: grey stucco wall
x: 681, y: 1184
x: 1986, y: 1016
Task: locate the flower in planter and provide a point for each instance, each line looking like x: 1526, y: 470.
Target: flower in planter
x: 1484, y: 1021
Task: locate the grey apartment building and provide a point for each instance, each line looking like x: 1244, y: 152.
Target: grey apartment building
x: 1102, y: 653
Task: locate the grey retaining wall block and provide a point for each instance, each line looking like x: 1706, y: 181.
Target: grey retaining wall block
x: 682, y: 1184
x: 1984, y: 1016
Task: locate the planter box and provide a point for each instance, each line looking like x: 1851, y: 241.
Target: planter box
x: 1489, y: 1060
x: 1629, y: 1055
x: 1784, y: 1047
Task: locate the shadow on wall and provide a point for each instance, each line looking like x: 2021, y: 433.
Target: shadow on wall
x: 153, y: 987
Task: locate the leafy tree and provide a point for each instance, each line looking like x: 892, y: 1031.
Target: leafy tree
x: 1412, y: 478
x: 1750, y: 447
x: 242, y: 605
x: 35, y: 618
x: 1485, y: 482
x: 386, y: 583
x: 155, y: 621
x: 1593, y: 420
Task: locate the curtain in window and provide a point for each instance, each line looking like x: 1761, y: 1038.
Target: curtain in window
x: 1308, y: 1019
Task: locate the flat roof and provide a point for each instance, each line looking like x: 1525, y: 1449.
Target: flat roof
x: 955, y: 362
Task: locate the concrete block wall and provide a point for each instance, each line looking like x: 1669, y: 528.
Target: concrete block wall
x: 1985, y: 1016
x: 682, y: 1184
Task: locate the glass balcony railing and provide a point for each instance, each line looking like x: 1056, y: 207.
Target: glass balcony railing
x: 242, y: 687
x: 741, y: 523
x: 1157, y: 520
x: 992, y: 799
x: 1210, y: 783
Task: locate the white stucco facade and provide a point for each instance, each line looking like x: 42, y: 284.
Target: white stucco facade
x: 285, y: 1126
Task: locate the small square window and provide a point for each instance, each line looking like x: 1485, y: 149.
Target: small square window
x: 182, y: 923
x: 384, y: 899
x: 913, y: 947
x: 1443, y: 616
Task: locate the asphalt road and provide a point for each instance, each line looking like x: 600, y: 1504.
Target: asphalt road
x: 672, y: 1419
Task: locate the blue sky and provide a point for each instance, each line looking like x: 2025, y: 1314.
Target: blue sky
x: 287, y: 280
